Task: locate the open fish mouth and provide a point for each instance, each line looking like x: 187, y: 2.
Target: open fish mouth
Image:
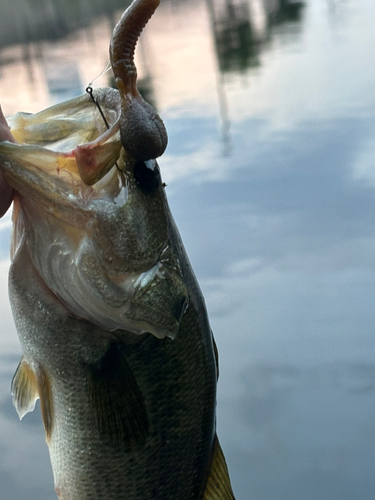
x: 68, y: 167
x: 69, y: 141
x: 90, y: 205
x: 102, y: 232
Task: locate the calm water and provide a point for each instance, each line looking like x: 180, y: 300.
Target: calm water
x: 270, y: 109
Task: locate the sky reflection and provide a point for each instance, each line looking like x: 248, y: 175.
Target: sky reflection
x: 271, y: 181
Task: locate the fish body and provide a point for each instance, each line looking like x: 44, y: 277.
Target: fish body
x: 113, y: 327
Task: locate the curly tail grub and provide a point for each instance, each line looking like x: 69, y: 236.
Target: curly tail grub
x: 143, y: 134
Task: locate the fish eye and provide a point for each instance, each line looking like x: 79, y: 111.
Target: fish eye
x: 147, y: 175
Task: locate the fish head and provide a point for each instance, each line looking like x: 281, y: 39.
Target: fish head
x: 95, y: 220
x: 90, y: 204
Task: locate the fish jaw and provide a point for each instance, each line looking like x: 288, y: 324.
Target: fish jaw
x: 70, y: 168
x: 104, y: 249
x: 52, y: 143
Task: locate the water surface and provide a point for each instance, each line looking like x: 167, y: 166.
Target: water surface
x: 270, y: 109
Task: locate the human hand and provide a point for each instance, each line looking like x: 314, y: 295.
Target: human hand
x: 6, y: 191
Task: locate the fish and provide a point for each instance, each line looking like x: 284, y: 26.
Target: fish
x: 116, y: 341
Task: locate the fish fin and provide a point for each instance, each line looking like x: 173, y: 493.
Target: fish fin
x: 117, y: 401
x: 218, y: 485
x: 24, y: 389
x: 45, y: 395
x: 27, y: 387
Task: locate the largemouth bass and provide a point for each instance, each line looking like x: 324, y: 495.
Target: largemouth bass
x: 114, y: 331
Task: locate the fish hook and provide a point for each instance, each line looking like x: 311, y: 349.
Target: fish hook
x: 90, y: 91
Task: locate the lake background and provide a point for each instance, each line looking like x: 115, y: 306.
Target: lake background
x: 270, y: 110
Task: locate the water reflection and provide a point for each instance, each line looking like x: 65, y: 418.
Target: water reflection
x: 240, y: 29
x: 25, y: 21
x: 270, y: 111
x: 305, y: 430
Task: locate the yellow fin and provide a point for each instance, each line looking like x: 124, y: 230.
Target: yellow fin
x: 218, y: 485
x: 117, y: 401
x: 24, y: 389
x: 45, y: 395
x: 27, y: 387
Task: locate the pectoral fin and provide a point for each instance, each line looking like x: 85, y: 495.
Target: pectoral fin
x: 45, y: 395
x: 117, y: 401
x: 218, y: 485
x: 27, y: 387
x: 24, y: 389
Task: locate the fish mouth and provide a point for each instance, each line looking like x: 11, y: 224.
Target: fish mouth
x: 100, y: 243
x: 65, y: 165
x: 68, y: 143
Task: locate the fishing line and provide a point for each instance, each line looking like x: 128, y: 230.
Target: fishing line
x: 107, y: 68
x: 90, y: 91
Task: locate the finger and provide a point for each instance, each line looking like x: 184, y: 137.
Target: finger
x: 6, y: 191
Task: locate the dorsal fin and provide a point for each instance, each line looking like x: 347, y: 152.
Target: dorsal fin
x: 117, y: 401
x: 24, y: 389
x: 218, y: 485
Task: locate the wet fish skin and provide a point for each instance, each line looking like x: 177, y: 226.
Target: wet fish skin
x: 176, y: 379
x: 113, y: 327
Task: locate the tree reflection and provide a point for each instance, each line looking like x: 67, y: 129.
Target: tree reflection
x: 240, y: 29
x: 35, y: 20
